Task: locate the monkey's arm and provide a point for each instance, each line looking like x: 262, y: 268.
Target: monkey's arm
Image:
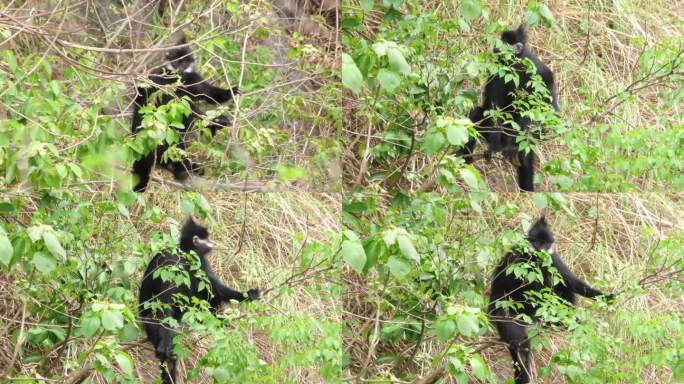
x: 573, y: 282
x: 225, y: 293
x: 198, y: 88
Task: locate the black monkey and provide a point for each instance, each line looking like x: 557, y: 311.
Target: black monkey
x: 500, y: 94
x: 180, y: 67
x: 507, y: 286
x: 194, y: 238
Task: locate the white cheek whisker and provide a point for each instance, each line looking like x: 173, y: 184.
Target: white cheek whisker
x: 552, y: 248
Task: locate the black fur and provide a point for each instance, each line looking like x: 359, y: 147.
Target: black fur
x: 499, y: 94
x: 194, y: 237
x: 179, y: 68
x: 505, y: 286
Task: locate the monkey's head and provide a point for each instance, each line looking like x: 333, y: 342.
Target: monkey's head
x: 515, y: 36
x: 195, y: 237
x: 180, y: 59
x: 540, y: 236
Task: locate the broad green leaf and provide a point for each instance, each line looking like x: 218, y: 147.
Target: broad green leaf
x: 90, y: 325
x: 479, y: 368
x: 6, y: 207
x: 398, y: 267
x: 390, y: 235
x: 470, y: 9
x: 111, y: 320
x: 125, y: 362
x: 35, y: 232
x: 53, y: 244
x: 367, y: 5
x: 434, y: 142
x: 373, y: 251
x: 473, y: 68
x: 380, y: 48
x: 546, y: 14
x: 407, y: 249
x: 468, y: 325
x: 44, y: 262
x: 351, y: 235
x: 470, y: 178
x: 220, y: 374
x: 445, y: 329
x: 388, y: 80
x: 351, y: 76
x: 354, y: 254
x: 397, y: 60
x: 187, y: 207
x: 540, y: 200
x: 457, y: 134
x: 6, y: 250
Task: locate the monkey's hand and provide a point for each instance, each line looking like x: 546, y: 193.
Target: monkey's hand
x: 253, y: 294
x: 236, y: 91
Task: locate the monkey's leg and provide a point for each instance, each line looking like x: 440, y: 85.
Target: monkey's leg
x: 142, y: 169
x: 526, y: 171
x: 515, y: 335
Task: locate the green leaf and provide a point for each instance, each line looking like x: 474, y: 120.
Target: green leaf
x: 546, y: 13
x: 470, y: 9
x: 111, y: 320
x: 434, y: 142
x: 220, y: 374
x: 187, y: 207
x: 390, y: 236
x: 388, y: 80
x: 540, y: 200
x: 468, y: 325
x: 398, y: 267
x: 90, y: 325
x: 367, y: 5
x: 6, y: 250
x: 6, y: 207
x: 288, y: 173
x: 445, y: 329
x: 53, y: 244
x: 354, y: 254
x: 678, y: 371
x: 470, y: 177
x: 457, y: 134
x: 44, y: 262
x: 351, y: 76
x: 479, y: 368
x: 407, y: 249
x: 125, y: 362
x: 397, y: 60
x: 373, y: 251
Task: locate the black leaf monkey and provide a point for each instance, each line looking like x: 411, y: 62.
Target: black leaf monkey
x: 179, y: 69
x: 506, y: 286
x: 194, y: 238
x: 500, y: 94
